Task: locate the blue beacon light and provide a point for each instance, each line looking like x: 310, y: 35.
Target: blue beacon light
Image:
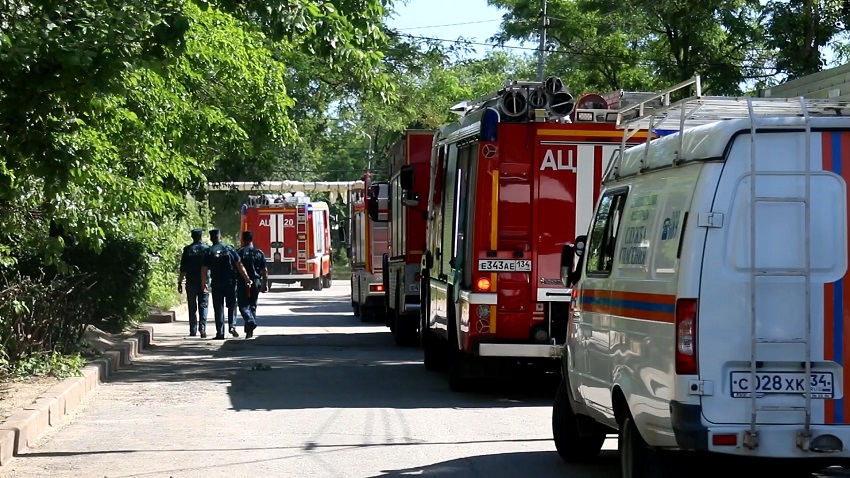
x: 490, y: 125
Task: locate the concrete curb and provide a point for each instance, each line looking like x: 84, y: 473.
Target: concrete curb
x: 180, y: 312
x: 21, y: 430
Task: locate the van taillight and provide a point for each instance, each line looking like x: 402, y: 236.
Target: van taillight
x: 686, y: 336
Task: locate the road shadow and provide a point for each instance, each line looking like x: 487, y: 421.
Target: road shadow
x: 330, y: 370
x: 540, y: 464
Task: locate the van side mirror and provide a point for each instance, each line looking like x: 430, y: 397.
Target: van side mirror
x: 406, y: 177
x: 570, y: 268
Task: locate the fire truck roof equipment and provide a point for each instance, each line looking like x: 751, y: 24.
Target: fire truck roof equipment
x: 337, y: 189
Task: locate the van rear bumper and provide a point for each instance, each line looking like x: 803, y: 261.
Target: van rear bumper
x: 774, y: 441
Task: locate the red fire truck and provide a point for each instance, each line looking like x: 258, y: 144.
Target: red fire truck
x: 294, y: 234
x: 409, y: 172
x: 368, y: 243
x: 511, y: 182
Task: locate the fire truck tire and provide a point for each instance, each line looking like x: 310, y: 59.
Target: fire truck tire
x: 327, y: 281
x: 404, y: 331
x: 318, y: 283
x: 459, y: 362
x: 432, y: 353
x: 572, y: 446
x: 367, y: 314
x: 356, y: 308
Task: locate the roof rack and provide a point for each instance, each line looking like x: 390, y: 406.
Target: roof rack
x: 698, y: 110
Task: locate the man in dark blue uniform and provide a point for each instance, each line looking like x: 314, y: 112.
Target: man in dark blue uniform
x: 223, y: 263
x: 191, y: 263
x: 255, y: 264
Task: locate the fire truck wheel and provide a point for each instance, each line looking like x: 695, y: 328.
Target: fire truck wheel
x: 572, y: 446
x: 366, y: 314
x: 459, y: 362
x: 318, y: 283
x: 403, y: 329
x: 356, y: 308
x: 433, y: 353
x: 327, y: 281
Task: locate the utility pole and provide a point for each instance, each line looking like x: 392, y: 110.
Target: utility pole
x: 541, y: 60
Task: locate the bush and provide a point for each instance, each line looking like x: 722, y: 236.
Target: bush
x: 45, y: 309
x: 41, y: 315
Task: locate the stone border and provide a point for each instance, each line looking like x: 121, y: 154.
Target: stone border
x: 22, y: 429
x: 173, y: 315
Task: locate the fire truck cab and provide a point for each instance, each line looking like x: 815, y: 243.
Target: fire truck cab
x: 294, y: 234
x: 511, y: 182
x: 409, y: 172
x: 368, y: 243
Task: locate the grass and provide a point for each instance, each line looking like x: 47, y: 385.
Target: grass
x: 47, y: 364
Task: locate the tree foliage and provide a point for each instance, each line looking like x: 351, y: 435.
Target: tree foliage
x: 641, y: 45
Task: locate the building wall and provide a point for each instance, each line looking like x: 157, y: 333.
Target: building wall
x: 828, y: 84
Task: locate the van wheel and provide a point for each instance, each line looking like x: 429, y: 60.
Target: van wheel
x: 572, y: 446
x: 633, y: 451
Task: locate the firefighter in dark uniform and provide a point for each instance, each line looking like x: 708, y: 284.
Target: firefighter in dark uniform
x: 255, y: 263
x: 223, y: 263
x: 191, y: 263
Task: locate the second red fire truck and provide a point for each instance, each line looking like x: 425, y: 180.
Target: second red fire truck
x: 409, y: 172
x: 368, y: 241
x: 510, y: 183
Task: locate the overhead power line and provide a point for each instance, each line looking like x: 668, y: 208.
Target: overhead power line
x: 449, y: 25
x: 596, y: 56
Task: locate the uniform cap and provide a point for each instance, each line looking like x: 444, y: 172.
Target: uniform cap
x: 197, y: 232
x: 215, y: 232
x: 247, y: 236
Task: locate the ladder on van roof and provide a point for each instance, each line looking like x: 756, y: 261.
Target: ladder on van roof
x: 699, y: 110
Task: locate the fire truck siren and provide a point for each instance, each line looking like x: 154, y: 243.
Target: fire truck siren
x: 520, y: 98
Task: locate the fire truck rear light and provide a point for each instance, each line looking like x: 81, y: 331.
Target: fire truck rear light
x: 730, y: 439
x: 417, y: 277
x: 376, y: 287
x: 585, y: 116
x: 610, y: 117
x: 483, y: 284
x: 289, y: 250
x: 483, y: 311
x: 686, y: 338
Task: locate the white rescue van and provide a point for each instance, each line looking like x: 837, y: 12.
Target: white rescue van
x: 715, y: 266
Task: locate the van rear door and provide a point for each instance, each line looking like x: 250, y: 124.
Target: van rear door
x: 730, y: 330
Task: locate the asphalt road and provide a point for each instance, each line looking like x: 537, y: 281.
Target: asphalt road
x: 340, y: 400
